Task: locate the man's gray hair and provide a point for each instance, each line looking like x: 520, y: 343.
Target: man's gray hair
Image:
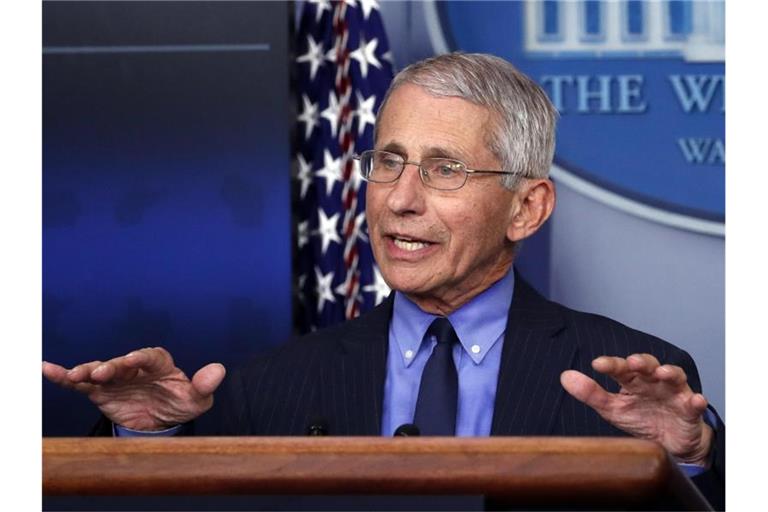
x: 523, y: 134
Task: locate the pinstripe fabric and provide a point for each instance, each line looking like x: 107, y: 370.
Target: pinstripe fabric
x: 337, y: 375
x: 542, y: 340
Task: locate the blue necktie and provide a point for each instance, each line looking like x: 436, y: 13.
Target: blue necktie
x: 439, y: 391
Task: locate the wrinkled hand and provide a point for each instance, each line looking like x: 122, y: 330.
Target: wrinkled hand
x: 142, y: 390
x: 654, y: 402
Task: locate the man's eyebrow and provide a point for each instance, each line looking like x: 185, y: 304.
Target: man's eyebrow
x: 394, y: 147
x: 428, y: 152
x: 441, y: 152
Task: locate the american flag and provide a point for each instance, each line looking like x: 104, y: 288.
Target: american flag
x: 343, y: 68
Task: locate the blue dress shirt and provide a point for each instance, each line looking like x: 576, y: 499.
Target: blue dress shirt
x: 480, y: 325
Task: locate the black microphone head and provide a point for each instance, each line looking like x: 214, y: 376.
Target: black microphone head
x: 407, y: 430
x: 318, y: 427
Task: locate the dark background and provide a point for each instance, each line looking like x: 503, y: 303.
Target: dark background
x: 166, y: 185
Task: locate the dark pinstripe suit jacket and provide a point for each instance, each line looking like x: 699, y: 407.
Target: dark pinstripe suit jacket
x: 337, y: 375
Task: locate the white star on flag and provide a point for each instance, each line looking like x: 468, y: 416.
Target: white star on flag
x: 358, y: 229
x: 366, y: 55
x: 308, y: 116
x: 304, y: 175
x: 331, y: 112
x: 341, y: 79
x: 323, y: 288
x: 328, y: 230
x: 364, y: 112
x: 303, y: 234
x: 356, y: 177
x: 330, y: 172
x: 321, y: 5
x: 368, y: 6
x: 342, y: 288
x: 378, y: 286
x: 314, y: 56
x: 330, y: 55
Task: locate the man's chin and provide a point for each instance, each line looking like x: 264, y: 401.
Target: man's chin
x: 409, y: 281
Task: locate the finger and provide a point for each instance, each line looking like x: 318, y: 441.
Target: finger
x: 614, y: 367
x: 115, y: 371
x: 644, y: 364
x: 124, y: 368
x: 55, y: 373
x: 586, y: 390
x: 82, y: 372
x: 119, y: 369
x: 698, y: 403
x: 636, y: 370
x: 671, y: 374
x: 207, y: 379
x: 60, y: 375
x: 98, y: 372
x: 693, y: 408
x: 150, y: 360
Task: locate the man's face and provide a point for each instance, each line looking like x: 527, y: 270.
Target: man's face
x: 441, y: 248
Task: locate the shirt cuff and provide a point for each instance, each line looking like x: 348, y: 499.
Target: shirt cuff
x: 120, y: 431
x: 691, y: 470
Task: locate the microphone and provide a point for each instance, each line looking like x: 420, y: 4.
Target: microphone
x: 407, y: 430
x: 318, y: 427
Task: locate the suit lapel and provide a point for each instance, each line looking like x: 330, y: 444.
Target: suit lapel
x: 360, y: 370
x: 528, y: 392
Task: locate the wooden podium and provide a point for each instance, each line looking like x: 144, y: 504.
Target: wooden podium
x: 512, y: 472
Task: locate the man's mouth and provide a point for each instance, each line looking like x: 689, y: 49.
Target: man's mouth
x: 409, y: 244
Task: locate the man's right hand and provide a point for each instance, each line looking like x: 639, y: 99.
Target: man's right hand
x: 142, y: 390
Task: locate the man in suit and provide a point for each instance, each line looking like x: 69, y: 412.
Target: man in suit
x: 457, y: 179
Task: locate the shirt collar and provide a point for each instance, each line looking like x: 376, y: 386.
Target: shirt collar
x: 479, y: 323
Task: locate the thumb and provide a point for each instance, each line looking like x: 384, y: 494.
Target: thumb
x: 207, y: 379
x: 584, y: 389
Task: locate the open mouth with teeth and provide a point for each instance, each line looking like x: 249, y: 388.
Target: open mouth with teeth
x: 409, y: 244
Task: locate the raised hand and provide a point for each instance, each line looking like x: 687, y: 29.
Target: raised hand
x: 142, y: 390
x: 654, y: 402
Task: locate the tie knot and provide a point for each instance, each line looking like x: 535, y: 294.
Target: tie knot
x: 443, y: 331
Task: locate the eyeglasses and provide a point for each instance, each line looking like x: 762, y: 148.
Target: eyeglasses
x: 440, y: 173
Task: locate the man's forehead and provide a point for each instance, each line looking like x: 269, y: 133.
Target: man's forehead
x: 419, y: 97
x: 425, y: 150
x: 417, y: 122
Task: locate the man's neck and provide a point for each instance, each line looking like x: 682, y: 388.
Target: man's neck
x: 447, y: 303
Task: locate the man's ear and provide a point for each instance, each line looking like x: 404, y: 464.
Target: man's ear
x: 533, y: 206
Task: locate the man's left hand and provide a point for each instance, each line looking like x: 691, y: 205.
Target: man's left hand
x: 655, y: 402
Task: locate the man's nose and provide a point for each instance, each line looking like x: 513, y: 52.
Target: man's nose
x: 407, y: 193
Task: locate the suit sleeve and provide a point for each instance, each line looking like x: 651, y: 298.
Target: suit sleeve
x: 711, y: 483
